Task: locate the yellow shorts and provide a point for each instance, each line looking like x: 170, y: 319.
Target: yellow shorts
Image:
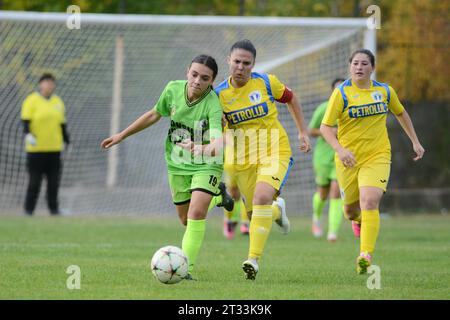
x: 245, y: 177
x: 372, y: 174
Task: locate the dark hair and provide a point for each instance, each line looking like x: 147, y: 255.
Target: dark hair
x: 208, y: 61
x: 246, y: 45
x: 365, y: 51
x: 336, y: 81
x: 46, y: 76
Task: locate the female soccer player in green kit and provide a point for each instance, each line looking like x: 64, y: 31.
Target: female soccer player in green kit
x: 325, y: 174
x: 193, y: 147
x: 363, y: 151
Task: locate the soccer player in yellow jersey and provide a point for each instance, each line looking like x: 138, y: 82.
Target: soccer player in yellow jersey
x: 43, y: 117
x: 258, y: 154
x: 363, y: 151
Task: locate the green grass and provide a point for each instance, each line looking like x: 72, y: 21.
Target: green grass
x: 114, y: 256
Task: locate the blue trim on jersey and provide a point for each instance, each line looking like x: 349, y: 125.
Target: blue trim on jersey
x: 385, y: 86
x: 222, y: 86
x: 346, y: 83
x: 291, y: 164
x: 265, y: 77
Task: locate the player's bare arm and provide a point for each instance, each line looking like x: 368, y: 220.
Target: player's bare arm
x: 146, y: 120
x: 408, y: 127
x: 296, y: 112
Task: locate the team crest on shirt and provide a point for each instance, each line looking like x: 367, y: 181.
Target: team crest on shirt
x: 58, y: 107
x: 173, y: 109
x: 255, y: 96
x: 377, y: 96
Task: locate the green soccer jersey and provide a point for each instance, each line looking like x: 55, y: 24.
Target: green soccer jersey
x: 323, y: 152
x: 198, y: 121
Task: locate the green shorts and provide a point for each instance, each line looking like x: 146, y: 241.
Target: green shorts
x: 324, y: 174
x: 182, y: 186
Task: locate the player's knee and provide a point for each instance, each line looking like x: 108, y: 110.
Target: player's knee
x: 323, y: 193
x: 262, y: 199
x: 196, y: 213
x: 234, y: 192
x: 351, y: 213
x: 369, y: 203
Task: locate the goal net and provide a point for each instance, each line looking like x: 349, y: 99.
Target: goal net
x: 114, y: 67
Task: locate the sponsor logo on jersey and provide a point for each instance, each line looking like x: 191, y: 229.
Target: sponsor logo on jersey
x: 249, y: 113
x: 255, y: 96
x: 367, y: 110
x: 179, y: 132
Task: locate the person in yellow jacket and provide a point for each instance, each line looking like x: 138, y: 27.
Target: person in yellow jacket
x: 43, y: 118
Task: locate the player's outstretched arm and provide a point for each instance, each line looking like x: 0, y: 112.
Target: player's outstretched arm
x: 408, y: 127
x: 144, y: 121
x: 296, y: 112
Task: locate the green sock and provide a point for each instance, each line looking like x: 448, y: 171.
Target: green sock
x: 335, y: 214
x: 318, y: 205
x: 236, y: 213
x: 193, y: 239
x: 214, y: 202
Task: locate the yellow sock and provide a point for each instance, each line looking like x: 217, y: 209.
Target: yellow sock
x: 370, y: 225
x: 276, y: 212
x: 260, y: 226
x: 244, y: 216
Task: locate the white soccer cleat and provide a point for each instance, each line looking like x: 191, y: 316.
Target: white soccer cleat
x: 250, y: 268
x: 283, y: 222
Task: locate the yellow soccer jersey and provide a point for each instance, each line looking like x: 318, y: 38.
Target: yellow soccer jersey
x: 361, y: 115
x: 252, y: 108
x: 46, y: 117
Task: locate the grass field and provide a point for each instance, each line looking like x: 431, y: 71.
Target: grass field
x: 114, y: 254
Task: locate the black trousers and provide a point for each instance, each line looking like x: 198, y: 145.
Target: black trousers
x: 42, y: 164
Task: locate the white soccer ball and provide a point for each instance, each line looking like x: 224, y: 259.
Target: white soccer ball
x: 169, y: 265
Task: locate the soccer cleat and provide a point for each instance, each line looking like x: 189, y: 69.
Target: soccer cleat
x: 332, y: 237
x: 363, y: 262
x: 189, y: 277
x: 245, y: 230
x: 250, y: 268
x: 228, y: 228
x: 356, y: 227
x: 227, y: 200
x: 283, y: 222
x: 316, y: 229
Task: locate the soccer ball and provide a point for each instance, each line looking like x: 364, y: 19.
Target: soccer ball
x: 169, y: 265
